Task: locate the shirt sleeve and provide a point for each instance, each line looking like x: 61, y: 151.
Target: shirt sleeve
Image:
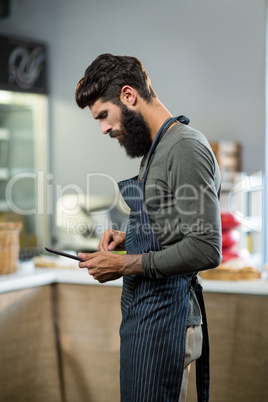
x: 197, y: 243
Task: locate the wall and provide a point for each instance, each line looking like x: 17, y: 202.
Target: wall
x: 205, y: 59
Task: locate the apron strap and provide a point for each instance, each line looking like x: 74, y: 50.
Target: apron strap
x: 165, y: 126
x: 202, y: 364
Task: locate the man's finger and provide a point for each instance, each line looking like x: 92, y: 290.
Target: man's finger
x: 105, y: 240
x: 86, y: 256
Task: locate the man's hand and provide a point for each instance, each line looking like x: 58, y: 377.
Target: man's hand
x: 112, y: 240
x: 107, y: 266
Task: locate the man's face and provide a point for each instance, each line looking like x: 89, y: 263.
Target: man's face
x: 128, y: 126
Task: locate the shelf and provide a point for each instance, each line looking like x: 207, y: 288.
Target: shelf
x: 4, y: 173
x: 3, y: 206
x: 23, y: 135
x: 24, y: 170
x: 4, y: 134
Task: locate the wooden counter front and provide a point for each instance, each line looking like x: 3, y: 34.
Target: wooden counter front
x: 60, y: 342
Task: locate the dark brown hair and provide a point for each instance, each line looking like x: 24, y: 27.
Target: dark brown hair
x: 106, y: 76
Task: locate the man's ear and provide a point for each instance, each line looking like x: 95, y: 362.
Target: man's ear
x: 128, y: 95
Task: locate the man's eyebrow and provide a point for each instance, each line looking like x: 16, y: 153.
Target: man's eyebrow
x: 100, y: 115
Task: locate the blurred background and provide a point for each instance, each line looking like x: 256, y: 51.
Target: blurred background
x: 58, y: 172
x: 205, y: 60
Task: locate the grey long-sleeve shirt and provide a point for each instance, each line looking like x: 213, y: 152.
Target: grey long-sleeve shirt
x: 182, y: 199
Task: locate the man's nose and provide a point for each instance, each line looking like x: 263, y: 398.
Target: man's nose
x: 106, y: 127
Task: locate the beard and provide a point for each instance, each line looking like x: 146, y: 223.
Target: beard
x: 134, y: 134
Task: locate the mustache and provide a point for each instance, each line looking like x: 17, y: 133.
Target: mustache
x: 115, y: 133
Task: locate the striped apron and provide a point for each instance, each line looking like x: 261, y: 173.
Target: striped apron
x: 154, y: 311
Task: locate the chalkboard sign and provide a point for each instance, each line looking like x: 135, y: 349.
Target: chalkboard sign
x: 23, y: 65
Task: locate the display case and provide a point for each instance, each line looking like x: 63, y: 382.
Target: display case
x: 244, y: 199
x: 24, y: 164
x: 24, y: 139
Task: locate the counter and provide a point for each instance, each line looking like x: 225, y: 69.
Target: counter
x: 60, y: 338
x: 45, y: 276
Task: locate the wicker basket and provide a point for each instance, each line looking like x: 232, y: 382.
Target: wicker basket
x: 9, y: 246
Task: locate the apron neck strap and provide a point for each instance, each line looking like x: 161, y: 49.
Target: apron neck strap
x: 165, y: 126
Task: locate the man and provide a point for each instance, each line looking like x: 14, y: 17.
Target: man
x: 173, y: 232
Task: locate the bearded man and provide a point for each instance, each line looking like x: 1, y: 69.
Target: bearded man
x: 173, y: 232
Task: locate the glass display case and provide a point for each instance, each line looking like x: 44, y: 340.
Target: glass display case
x: 24, y: 164
x: 24, y: 139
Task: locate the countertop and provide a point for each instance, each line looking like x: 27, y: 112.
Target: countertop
x: 28, y: 278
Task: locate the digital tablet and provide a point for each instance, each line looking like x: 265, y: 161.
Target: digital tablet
x: 63, y: 254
